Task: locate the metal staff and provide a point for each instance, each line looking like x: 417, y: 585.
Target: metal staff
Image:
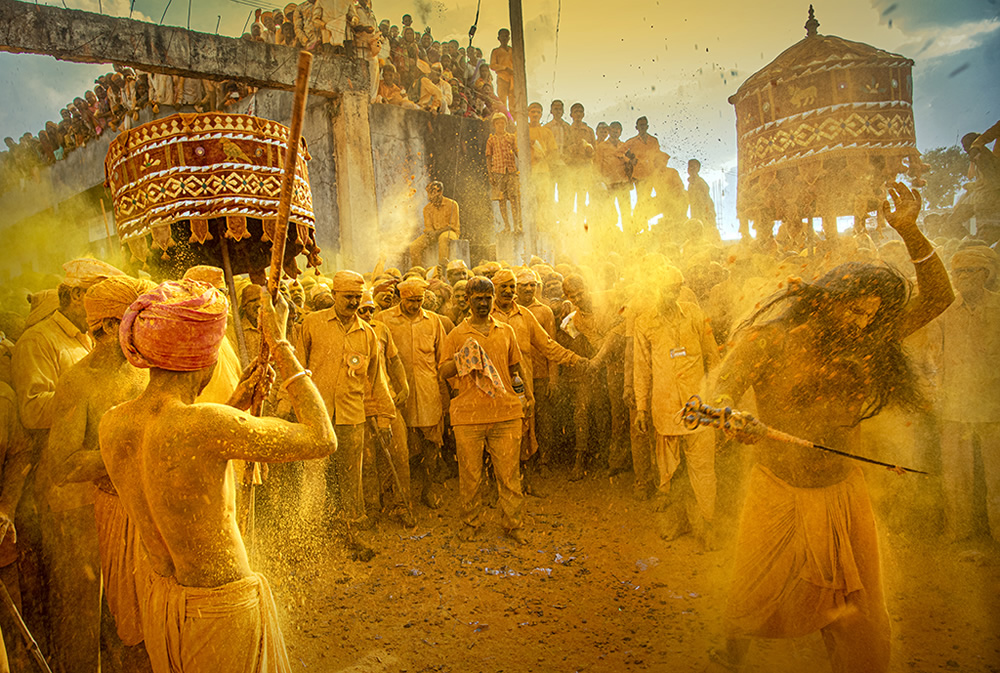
x: 695, y: 414
x: 373, y: 428
x: 29, y: 640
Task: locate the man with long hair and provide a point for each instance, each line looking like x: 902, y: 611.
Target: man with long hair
x: 821, y: 357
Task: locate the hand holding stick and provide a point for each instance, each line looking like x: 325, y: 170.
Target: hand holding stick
x: 743, y: 427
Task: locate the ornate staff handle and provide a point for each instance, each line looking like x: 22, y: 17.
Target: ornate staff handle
x: 747, y: 429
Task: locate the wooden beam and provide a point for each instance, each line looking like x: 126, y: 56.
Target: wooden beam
x: 85, y: 37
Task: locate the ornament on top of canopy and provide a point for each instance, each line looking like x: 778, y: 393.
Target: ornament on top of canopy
x: 821, y: 130
x: 182, y: 183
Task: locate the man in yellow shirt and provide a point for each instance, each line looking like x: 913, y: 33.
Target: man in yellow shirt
x: 479, y: 360
x: 502, y: 63
x: 969, y: 406
x: 342, y: 352
x: 541, y: 369
x: 674, y: 349
x: 643, y: 149
x: 419, y: 337
x: 441, y: 225
x: 544, y: 150
x: 533, y: 340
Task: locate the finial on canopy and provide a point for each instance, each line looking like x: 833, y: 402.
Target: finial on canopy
x: 812, y: 24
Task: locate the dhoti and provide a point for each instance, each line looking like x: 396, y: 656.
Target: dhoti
x: 232, y: 628
x: 807, y: 560
x: 118, y: 541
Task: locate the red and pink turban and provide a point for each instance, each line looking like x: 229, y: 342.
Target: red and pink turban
x: 177, y: 326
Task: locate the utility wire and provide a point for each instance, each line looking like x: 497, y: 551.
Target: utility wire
x: 165, y: 11
x: 555, y: 61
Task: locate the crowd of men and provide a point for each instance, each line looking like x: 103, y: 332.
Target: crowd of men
x: 387, y: 384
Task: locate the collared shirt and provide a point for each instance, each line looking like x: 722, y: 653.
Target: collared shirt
x: 672, y: 354
x: 540, y: 367
x: 420, y: 341
x: 379, y: 405
x: 700, y: 198
x: 472, y: 406
x: 560, y: 131
x: 610, y: 161
x: 543, y: 147
x: 645, y: 151
x: 344, y: 363
x: 970, y: 349
x: 441, y: 218
x: 580, y: 142
x: 531, y: 339
x: 41, y: 355
x: 501, y: 153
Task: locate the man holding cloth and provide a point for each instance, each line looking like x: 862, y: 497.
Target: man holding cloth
x: 479, y: 360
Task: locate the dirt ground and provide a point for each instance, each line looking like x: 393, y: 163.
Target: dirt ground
x: 597, y: 589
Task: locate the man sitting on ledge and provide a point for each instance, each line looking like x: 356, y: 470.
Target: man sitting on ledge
x: 440, y: 225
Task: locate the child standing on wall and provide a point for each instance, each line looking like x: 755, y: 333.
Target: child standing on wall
x: 501, y: 162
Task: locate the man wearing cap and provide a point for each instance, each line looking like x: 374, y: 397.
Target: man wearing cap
x: 342, y: 351
x: 431, y: 95
x: 968, y: 404
x: 55, y: 344
x: 419, y: 336
x: 533, y: 340
x: 379, y: 465
x: 673, y: 350
x: 42, y: 354
x: 479, y: 361
x: 457, y: 270
x: 69, y: 468
x: 501, y: 164
x: 204, y: 609
x: 542, y: 370
x: 441, y: 225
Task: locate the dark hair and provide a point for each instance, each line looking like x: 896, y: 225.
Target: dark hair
x: 877, y: 353
x: 479, y: 285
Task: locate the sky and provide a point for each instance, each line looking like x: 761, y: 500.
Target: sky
x: 676, y: 63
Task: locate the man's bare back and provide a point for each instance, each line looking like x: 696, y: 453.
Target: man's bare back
x: 172, y: 469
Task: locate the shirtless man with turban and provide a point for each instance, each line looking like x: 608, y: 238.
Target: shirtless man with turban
x: 820, y: 358
x: 78, y: 546
x: 203, y: 608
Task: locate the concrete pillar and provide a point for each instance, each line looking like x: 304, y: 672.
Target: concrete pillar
x: 352, y: 150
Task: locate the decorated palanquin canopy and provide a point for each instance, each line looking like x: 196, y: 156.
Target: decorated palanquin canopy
x: 822, y: 128
x: 181, y: 182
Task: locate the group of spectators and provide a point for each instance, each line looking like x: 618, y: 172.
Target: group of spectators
x: 578, y: 365
x: 114, y: 103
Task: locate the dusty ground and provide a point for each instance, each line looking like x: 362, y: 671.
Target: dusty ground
x: 596, y: 590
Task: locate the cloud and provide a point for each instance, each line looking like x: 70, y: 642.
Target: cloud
x: 929, y: 44
x: 106, y: 7
x: 915, y: 15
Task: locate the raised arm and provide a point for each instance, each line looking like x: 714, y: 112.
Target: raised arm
x: 241, y: 436
x: 934, y: 293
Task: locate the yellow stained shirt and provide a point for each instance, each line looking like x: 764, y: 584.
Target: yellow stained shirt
x: 543, y: 147
x: 671, y: 355
x: 471, y: 406
x: 344, y: 364
x: 540, y: 367
x: 532, y: 338
x: 225, y: 378
x: 645, y: 152
x: 970, y: 350
x: 441, y: 218
x: 41, y: 355
x: 420, y: 341
x: 377, y: 405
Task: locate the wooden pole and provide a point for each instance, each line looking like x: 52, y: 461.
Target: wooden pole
x: 234, y: 301
x: 29, y: 640
x: 520, y: 113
